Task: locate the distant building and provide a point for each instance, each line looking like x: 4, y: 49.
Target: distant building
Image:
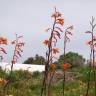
x: 18, y: 66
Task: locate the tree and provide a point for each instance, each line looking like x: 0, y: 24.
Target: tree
x: 39, y: 59
x: 35, y: 60
x: 72, y: 58
x: 29, y: 60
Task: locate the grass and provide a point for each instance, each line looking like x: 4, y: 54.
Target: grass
x: 26, y: 84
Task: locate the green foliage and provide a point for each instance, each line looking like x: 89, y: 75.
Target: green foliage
x: 27, y: 84
x: 72, y: 58
x: 2, y: 73
x: 35, y: 60
x: 30, y: 60
x: 35, y: 74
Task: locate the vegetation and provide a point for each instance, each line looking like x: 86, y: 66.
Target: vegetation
x: 28, y: 84
x: 52, y: 50
x: 35, y: 60
x: 72, y: 58
x: 71, y: 79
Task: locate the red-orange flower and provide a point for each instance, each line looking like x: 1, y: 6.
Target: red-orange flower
x: 3, y: 40
x: 66, y: 66
x: 55, y: 50
x: 52, y: 67
x: 3, y: 81
x: 13, y: 62
x: 90, y: 42
x: 46, y: 42
x: 56, y: 14
x: 60, y: 21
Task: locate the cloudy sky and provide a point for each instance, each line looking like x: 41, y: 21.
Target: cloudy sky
x: 30, y: 18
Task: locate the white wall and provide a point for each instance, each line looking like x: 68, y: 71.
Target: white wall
x: 17, y: 66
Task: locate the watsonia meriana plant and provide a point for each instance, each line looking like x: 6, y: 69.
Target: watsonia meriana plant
x: 65, y: 65
x: 51, y: 45
x: 92, y: 44
x: 18, y: 44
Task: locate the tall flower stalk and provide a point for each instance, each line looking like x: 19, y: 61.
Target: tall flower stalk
x: 92, y: 44
x: 17, y: 53
x: 18, y: 44
x: 51, y: 75
x: 66, y: 40
x: 51, y: 43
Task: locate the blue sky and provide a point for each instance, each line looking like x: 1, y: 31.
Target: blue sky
x: 31, y: 18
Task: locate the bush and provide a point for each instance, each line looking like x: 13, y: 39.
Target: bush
x: 36, y: 74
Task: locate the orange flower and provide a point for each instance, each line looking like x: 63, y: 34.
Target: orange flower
x: 53, y: 67
x: 3, y: 40
x: 56, y: 14
x: 60, y: 21
x: 90, y: 42
x: 46, y: 42
x: 66, y: 66
x: 55, y: 50
x: 3, y: 81
x: 13, y: 62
